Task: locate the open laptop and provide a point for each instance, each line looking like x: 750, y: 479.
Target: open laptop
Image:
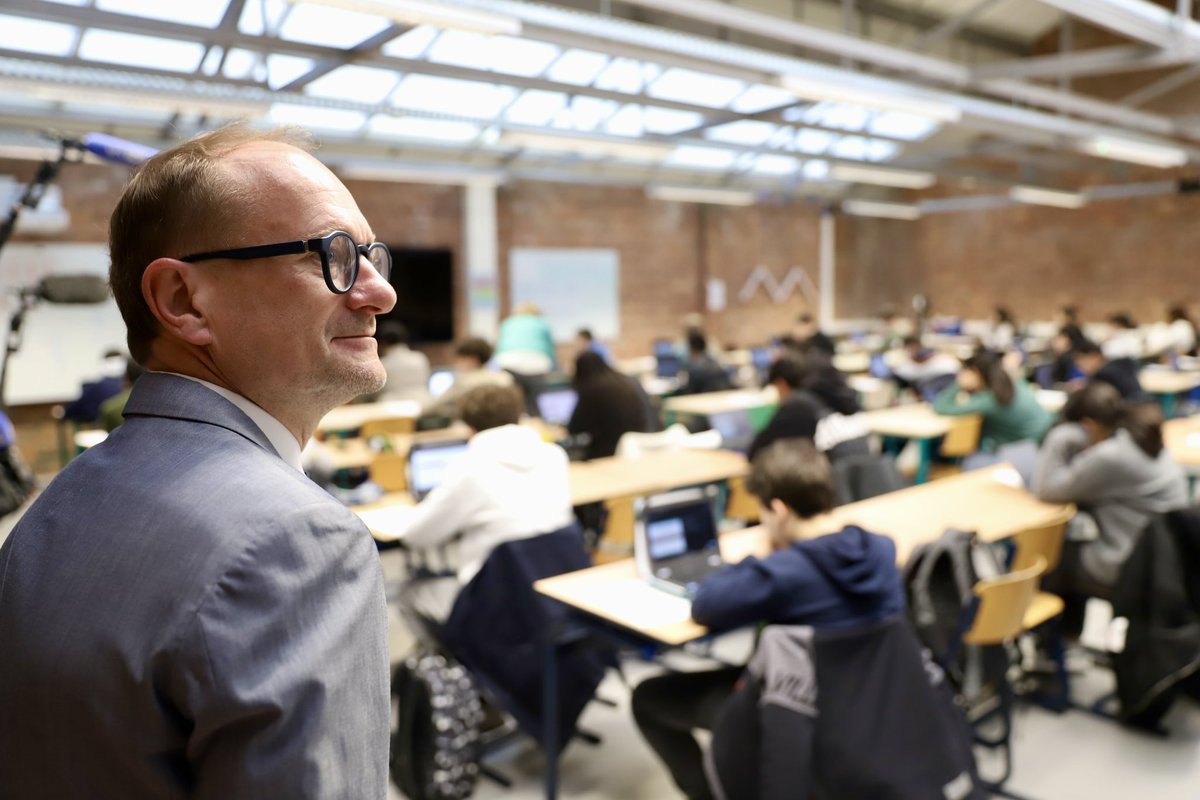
x: 675, y: 540
x: 428, y: 462
x: 556, y: 405
x: 440, y: 380
x: 734, y: 426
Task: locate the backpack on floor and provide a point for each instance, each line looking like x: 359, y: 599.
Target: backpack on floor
x: 436, y: 746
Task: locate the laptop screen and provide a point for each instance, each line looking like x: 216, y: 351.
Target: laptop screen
x: 734, y: 426
x: 439, y: 381
x: 667, y: 365
x: 557, y: 405
x: 428, y: 462
x: 677, y: 529
x: 761, y: 358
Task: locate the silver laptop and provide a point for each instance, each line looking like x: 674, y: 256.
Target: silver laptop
x: 557, y: 405
x: 675, y: 540
x: 734, y: 426
x: 428, y: 462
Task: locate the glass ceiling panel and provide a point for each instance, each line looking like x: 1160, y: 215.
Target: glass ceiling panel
x: 212, y: 61
x: 813, y: 142
x: 362, y: 84
x: 331, y: 27
x: 523, y: 57
x: 37, y: 36
x: 854, y: 147
x: 747, y: 131
x: 702, y: 157
x: 668, y: 121
x: 584, y: 114
x: 425, y: 129
x: 133, y: 50
x: 412, y: 43
x: 626, y: 122
x: 577, y: 67
x: 251, y: 21
x: 894, y: 124
x: 626, y: 75
x: 462, y: 49
x: 776, y: 165
x: 760, y: 97
x: 239, y: 65
x: 698, y: 88
x: 205, y: 13
x: 815, y: 170
x: 282, y: 70
x: 452, y: 96
x: 535, y: 107
x: 329, y: 119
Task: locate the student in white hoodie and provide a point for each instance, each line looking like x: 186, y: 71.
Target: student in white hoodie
x: 508, y: 485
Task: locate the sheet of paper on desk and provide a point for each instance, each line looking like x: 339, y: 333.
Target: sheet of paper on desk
x: 388, y: 523
x: 1192, y: 439
x: 634, y: 599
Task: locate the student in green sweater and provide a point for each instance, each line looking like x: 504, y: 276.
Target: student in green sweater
x: 1009, y: 407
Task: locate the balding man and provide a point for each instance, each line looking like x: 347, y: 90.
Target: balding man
x: 184, y: 613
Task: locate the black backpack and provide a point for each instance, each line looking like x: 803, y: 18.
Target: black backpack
x: 436, y: 747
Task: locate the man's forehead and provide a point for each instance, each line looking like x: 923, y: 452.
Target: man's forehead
x: 276, y: 159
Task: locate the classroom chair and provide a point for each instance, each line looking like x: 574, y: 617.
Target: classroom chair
x: 390, y: 471
x: 1044, y: 544
x: 387, y: 426
x: 960, y: 441
x: 741, y: 506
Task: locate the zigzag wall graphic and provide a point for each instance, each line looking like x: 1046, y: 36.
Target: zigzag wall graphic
x: 779, y: 291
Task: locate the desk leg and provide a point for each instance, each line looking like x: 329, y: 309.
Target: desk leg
x: 550, y: 714
x: 924, y: 458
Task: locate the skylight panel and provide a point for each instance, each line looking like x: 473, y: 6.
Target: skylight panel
x: 759, y: 97
x: 452, y: 96
x: 239, y: 64
x: 412, y: 43
x: 897, y: 125
x: 584, y: 114
x: 626, y: 122
x: 133, y: 50
x: 668, y: 121
x: 37, y: 36
x: 535, y: 107
x: 438, y: 130
x: 205, y: 13
x: 462, y: 49
x: 523, y: 57
x: 702, y: 157
x: 329, y: 119
x: 577, y: 67
x: 330, y: 27
x: 251, y: 22
x: 212, y: 60
x: 854, y: 147
x: 698, y: 88
x: 812, y: 141
x: 622, y: 75
x: 282, y: 70
x: 815, y: 170
x: 881, y: 150
x: 837, y: 115
x: 747, y: 131
x: 776, y: 165
x: 362, y: 84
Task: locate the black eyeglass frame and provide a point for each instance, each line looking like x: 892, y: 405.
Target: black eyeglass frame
x: 322, y: 245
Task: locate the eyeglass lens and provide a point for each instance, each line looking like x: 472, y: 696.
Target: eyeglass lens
x: 343, y: 261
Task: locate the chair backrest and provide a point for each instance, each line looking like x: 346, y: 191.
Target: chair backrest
x: 633, y: 444
x: 1044, y: 542
x: 390, y: 471
x: 963, y: 437
x: 386, y: 426
x: 1003, y: 601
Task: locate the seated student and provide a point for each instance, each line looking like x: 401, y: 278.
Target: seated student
x: 508, y: 485
x: 920, y: 366
x: 1108, y: 459
x: 1010, y: 410
x: 1179, y: 338
x: 524, y: 343
x: 86, y: 408
x: 585, y: 342
x: 815, y: 576
x: 824, y: 380
x: 610, y: 405
x: 704, y: 374
x: 803, y: 413
x: 471, y: 358
x: 1063, y: 346
x: 1121, y: 373
x: 1125, y: 340
x: 407, y: 369
x: 1004, y: 332
x: 808, y: 335
x: 112, y: 410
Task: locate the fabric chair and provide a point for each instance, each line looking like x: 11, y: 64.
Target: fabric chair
x: 863, y: 477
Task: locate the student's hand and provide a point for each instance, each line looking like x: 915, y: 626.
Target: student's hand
x: 969, y: 381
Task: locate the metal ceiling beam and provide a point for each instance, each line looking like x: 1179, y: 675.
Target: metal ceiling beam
x: 1095, y: 61
x: 366, y: 47
x: 1158, y: 88
x: 951, y: 25
x: 1135, y: 19
x: 925, y: 21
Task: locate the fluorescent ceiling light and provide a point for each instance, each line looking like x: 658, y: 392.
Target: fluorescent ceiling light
x: 819, y: 89
x: 441, y: 15
x: 900, y: 178
x: 1047, y: 197
x: 1135, y: 151
x: 634, y: 151
x: 700, y: 194
x: 871, y: 208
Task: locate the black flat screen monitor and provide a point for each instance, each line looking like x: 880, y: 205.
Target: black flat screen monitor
x: 424, y: 282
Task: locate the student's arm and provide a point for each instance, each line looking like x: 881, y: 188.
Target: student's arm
x: 792, y: 420
x: 1065, y: 473
x: 443, y: 512
x: 737, y: 595
x: 950, y: 403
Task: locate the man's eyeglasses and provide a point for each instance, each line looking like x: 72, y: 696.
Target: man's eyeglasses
x: 339, y: 257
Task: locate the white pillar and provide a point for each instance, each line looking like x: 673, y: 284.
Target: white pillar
x: 826, y: 259
x: 482, y: 249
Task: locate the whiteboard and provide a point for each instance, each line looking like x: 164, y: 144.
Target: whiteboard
x: 575, y: 288
x: 63, y: 345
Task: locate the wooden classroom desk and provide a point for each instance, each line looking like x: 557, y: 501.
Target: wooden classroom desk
x: 916, y: 421
x: 1167, y: 383
x: 355, y: 453
x: 352, y: 417
x: 702, y: 405
x: 1182, y: 438
x: 985, y: 501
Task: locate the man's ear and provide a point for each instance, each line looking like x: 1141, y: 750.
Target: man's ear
x: 169, y: 289
x: 780, y: 508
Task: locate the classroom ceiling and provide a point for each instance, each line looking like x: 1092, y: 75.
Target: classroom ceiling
x: 853, y: 101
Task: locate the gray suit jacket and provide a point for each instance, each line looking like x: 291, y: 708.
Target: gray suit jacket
x: 182, y: 614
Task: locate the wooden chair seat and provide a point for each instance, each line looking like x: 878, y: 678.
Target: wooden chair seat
x: 1043, y: 608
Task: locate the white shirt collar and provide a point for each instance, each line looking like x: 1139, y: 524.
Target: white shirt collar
x: 279, y: 436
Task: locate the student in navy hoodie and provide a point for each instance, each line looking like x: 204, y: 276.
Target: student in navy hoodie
x: 816, y: 575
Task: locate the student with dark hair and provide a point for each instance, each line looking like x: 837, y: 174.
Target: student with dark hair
x: 818, y: 576
x: 585, y: 342
x: 704, y: 374
x: 407, y: 369
x: 1180, y: 338
x: 805, y: 411
x: 471, y: 358
x: 1125, y: 340
x: 1121, y: 373
x: 1004, y: 331
x: 508, y: 485
x: 1109, y: 460
x: 610, y: 405
x: 808, y: 334
x: 1010, y: 410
